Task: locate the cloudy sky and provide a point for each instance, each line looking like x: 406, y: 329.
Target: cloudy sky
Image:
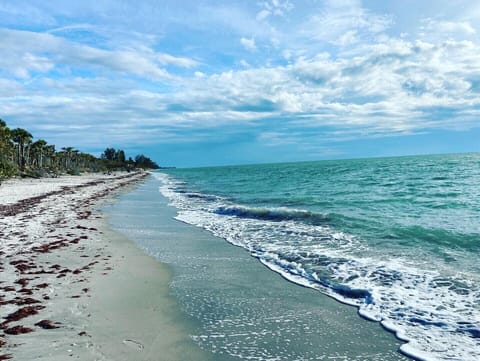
x: 209, y: 82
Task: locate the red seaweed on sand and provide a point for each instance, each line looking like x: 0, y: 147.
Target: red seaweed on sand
x: 46, y: 324
x: 17, y: 330
x: 23, y: 312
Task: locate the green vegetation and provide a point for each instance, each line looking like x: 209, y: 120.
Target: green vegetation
x: 21, y: 155
x: 115, y: 159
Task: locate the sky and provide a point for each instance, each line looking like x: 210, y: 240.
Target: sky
x: 199, y: 83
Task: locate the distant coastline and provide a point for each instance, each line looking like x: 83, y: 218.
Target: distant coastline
x: 21, y: 156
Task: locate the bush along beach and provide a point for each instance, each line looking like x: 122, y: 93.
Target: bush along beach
x: 21, y: 155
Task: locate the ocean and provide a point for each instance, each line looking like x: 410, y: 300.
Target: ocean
x: 397, y: 238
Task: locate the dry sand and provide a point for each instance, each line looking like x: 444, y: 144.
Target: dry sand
x: 71, y: 288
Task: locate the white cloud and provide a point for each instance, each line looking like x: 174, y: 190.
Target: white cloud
x: 287, y: 54
x: 392, y: 87
x: 167, y: 59
x: 248, y: 44
x: 349, y: 37
x: 449, y: 27
x: 26, y: 52
x: 343, y: 22
x: 29, y: 62
x: 273, y: 8
x: 245, y: 63
x: 263, y: 14
x: 9, y: 87
x: 72, y: 27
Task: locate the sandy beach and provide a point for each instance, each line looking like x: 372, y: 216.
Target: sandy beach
x: 73, y: 289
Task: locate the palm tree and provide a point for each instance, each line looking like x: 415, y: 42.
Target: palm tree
x: 28, y: 148
x: 50, y: 155
x: 21, y: 137
x: 5, y: 141
x: 69, y: 156
x: 38, y: 149
x: 6, y: 152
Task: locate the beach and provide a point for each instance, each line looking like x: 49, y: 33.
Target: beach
x: 73, y: 289
x: 229, y: 263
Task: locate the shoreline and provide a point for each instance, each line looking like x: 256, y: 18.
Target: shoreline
x: 71, y: 286
x: 239, y: 307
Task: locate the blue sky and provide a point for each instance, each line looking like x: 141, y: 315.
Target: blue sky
x: 193, y: 83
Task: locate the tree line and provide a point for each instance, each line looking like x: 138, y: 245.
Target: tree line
x: 115, y: 158
x: 21, y: 155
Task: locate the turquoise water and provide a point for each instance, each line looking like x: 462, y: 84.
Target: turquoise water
x: 397, y: 237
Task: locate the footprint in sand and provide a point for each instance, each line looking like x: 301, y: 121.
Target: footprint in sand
x: 134, y: 344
